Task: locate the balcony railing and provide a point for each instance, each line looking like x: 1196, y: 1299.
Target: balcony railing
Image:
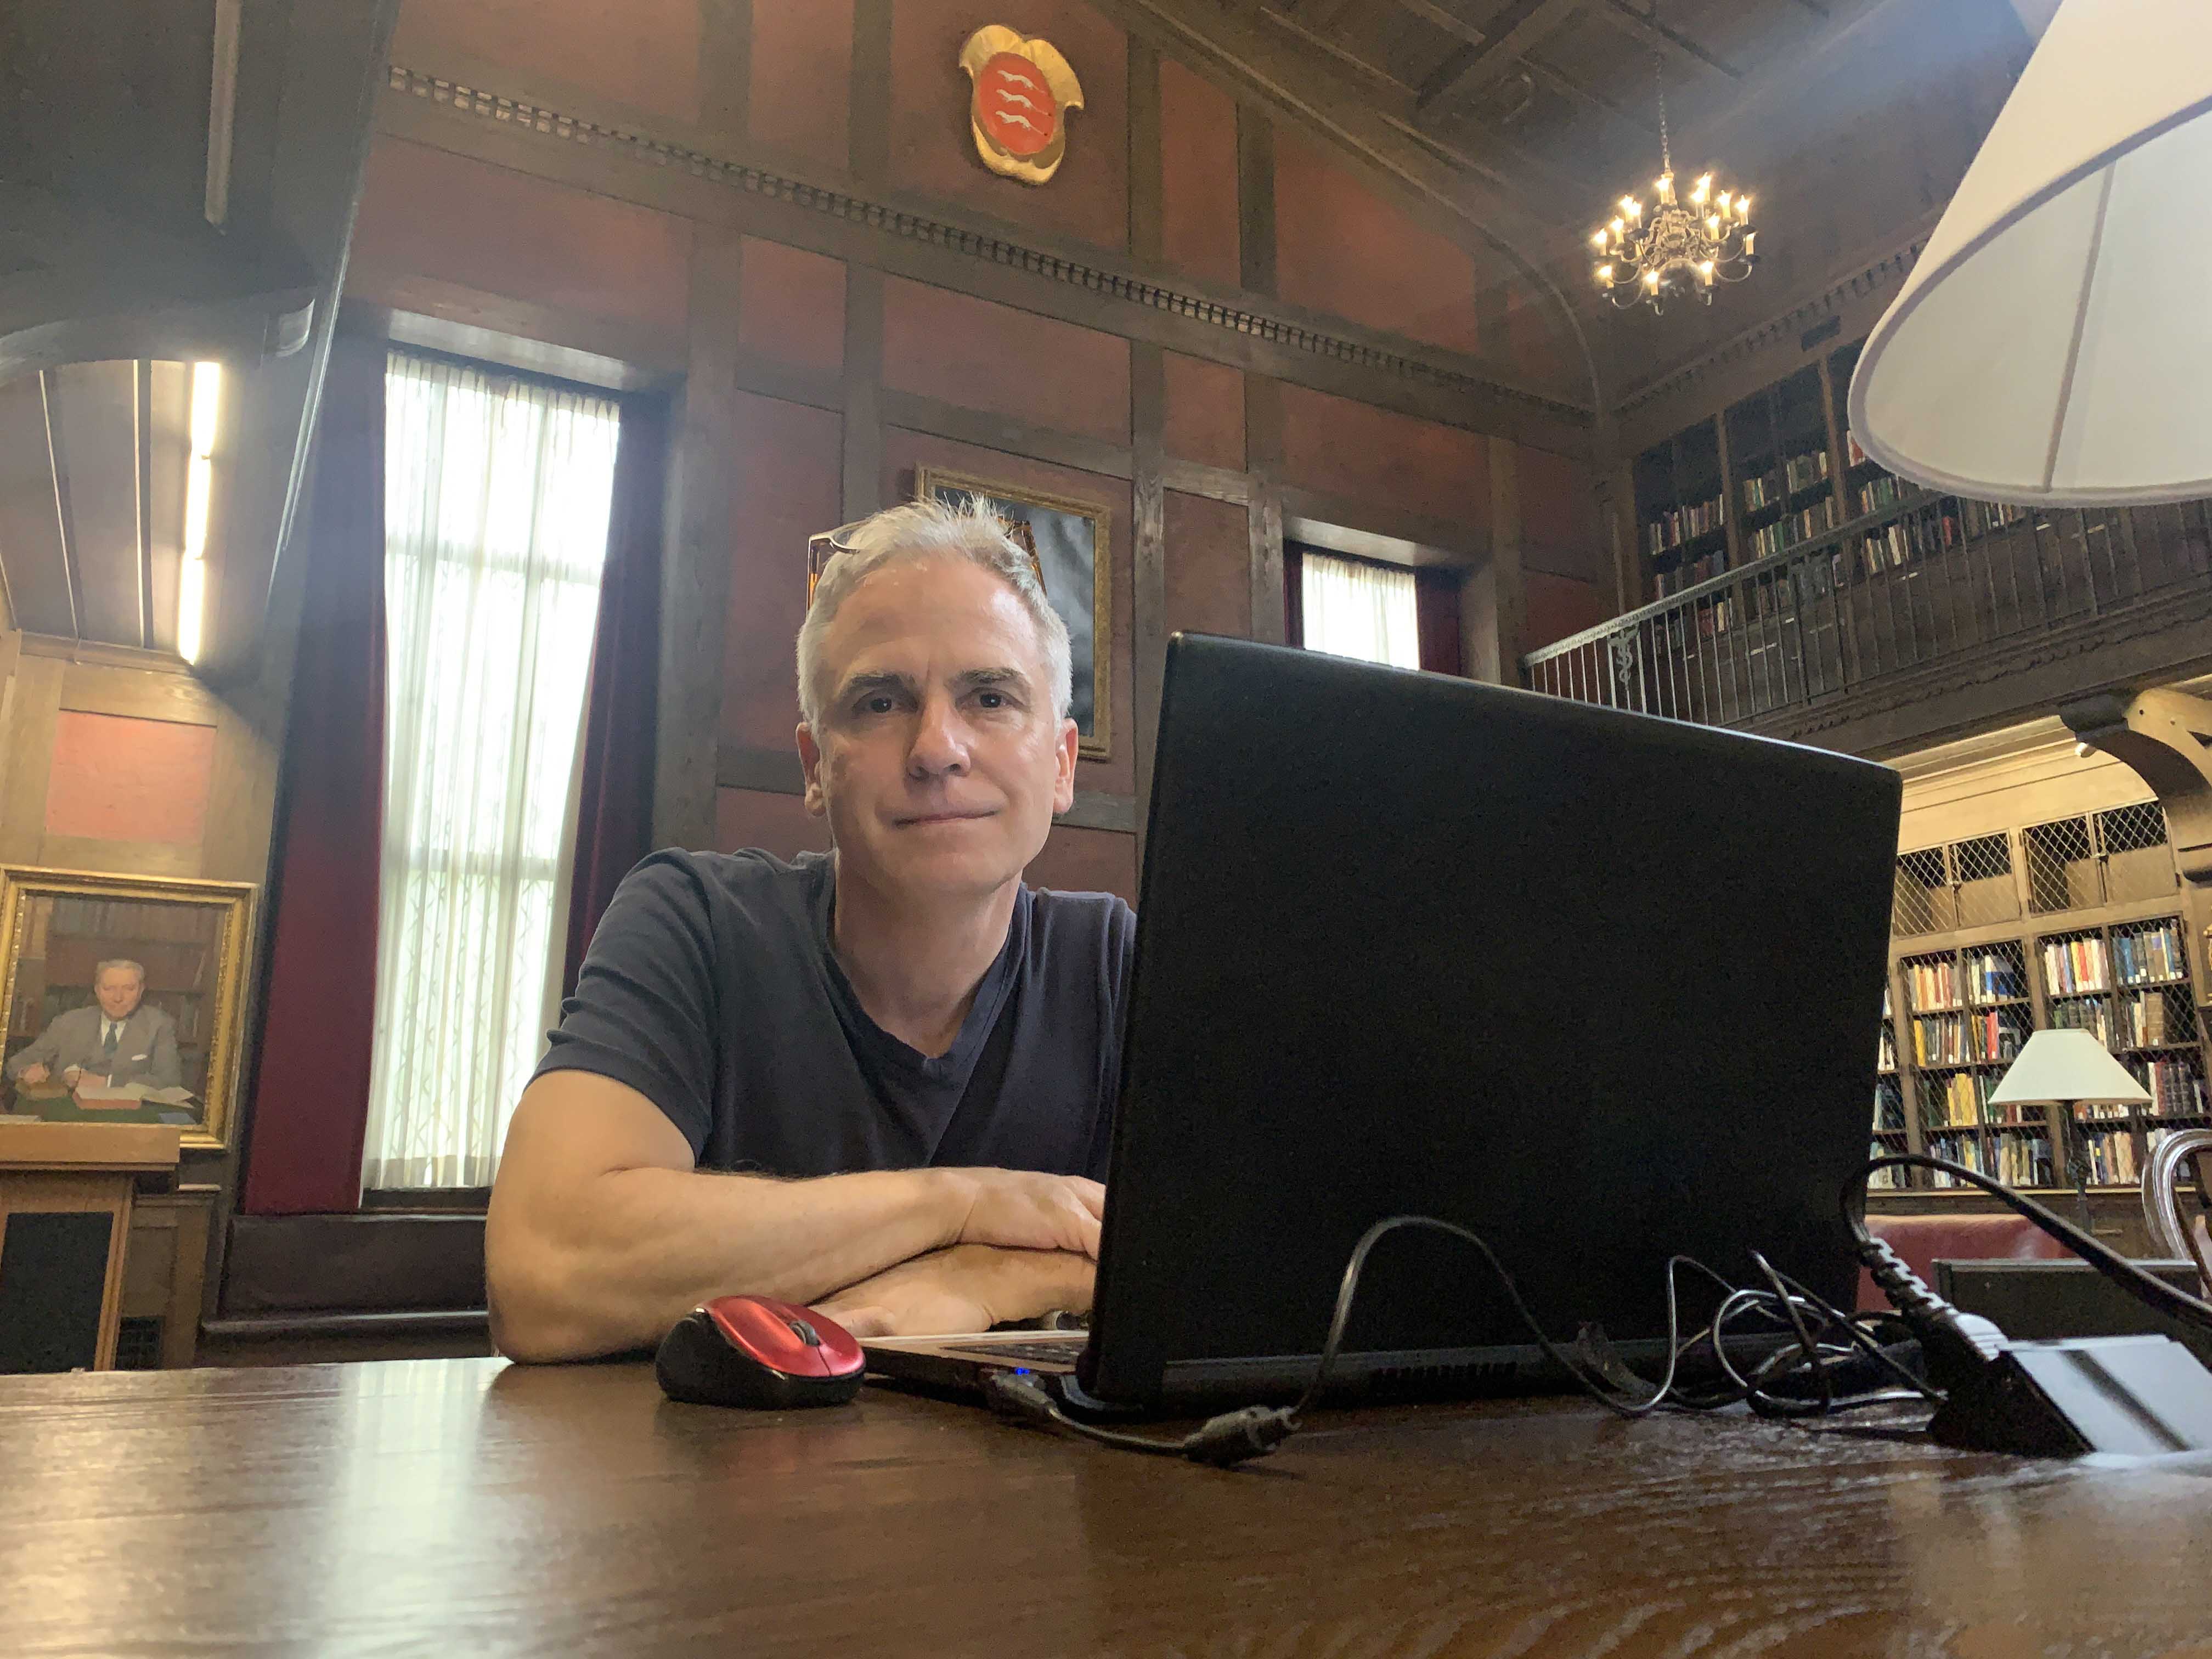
x: 1928, y: 577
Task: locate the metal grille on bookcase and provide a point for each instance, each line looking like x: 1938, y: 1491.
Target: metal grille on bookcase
x: 2138, y: 861
x: 2062, y: 866
x: 1982, y: 868
x: 1922, y: 901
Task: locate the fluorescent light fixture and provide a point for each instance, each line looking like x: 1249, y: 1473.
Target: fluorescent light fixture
x: 192, y: 600
x: 198, y: 480
x: 207, y: 403
x: 200, y: 486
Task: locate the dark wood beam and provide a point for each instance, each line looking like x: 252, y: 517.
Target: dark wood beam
x: 1450, y: 22
x: 1473, y: 68
x: 1639, y: 26
x: 1567, y: 87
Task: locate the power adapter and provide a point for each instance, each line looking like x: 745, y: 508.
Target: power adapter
x: 2141, y: 1395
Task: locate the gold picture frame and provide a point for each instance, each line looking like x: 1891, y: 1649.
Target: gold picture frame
x: 191, y: 941
x: 1083, y: 598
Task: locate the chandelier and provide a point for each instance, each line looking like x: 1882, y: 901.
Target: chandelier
x: 1681, y: 246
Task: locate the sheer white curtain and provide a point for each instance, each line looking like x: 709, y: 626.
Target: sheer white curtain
x: 497, y: 497
x: 1354, y: 609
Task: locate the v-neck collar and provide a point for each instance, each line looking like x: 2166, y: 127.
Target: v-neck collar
x: 955, y: 1064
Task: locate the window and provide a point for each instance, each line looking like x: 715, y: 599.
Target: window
x: 497, y: 497
x: 1352, y: 607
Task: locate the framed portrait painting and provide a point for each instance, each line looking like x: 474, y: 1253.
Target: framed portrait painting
x: 124, y: 997
x: 1068, y: 543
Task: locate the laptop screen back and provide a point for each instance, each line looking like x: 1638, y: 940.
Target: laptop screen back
x: 1601, y: 987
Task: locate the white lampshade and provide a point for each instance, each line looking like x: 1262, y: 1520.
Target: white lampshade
x: 2053, y: 344
x: 2069, y: 1067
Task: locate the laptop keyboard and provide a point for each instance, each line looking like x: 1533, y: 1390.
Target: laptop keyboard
x: 1059, y: 1350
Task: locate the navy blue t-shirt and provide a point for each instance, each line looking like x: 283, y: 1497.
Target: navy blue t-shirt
x: 711, y: 989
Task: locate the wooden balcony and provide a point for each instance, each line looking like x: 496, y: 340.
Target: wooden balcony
x: 1932, y: 616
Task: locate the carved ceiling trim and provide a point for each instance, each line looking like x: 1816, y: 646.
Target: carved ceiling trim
x: 1245, y: 320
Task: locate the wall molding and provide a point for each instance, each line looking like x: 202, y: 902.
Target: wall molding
x: 1274, y: 328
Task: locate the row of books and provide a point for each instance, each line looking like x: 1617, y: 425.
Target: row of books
x: 1690, y: 572
x: 2148, y: 1020
x: 2073, y: 967
x: 1984, y: 517
x: 1678, y: 525
x: 1986, y: 977
x: 1880, y: 491
x: 2176, y: 1089
x: 2150, y: 956
x: 2086, y: 1015
x: 1993, y: 1035
x: 1916, y: 537
x: 1957, y: 1149
x: 2111, y: 1156
x: 1805, y: 471
x: 1890, y: 1178
x: 2016, y: 1160
x: 1887, y: 1054
x: 1958, y: 1104
x: 1793, y: 528
x: 1888, y: 1110
x: 1800, y: 471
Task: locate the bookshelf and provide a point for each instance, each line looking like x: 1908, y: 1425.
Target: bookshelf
x: 1681, y: 503
x: 2075, y: 923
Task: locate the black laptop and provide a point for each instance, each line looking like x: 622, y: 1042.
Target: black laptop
x: 1600, y: 987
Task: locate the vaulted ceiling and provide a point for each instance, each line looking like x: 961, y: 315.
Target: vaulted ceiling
x: 1521, y: 120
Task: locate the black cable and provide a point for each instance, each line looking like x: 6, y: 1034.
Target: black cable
x: 1255, y: 1431
x: 2147, y: 1286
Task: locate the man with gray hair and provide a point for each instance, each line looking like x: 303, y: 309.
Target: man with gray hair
x: 115, y: 1038
x: 881, y: 1080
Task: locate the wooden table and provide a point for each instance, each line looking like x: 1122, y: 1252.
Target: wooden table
x: 463, y: 1507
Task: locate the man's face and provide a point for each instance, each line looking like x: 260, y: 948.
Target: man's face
x: 119, y: 990
x: 939, y: 759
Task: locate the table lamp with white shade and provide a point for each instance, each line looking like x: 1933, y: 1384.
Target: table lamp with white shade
x: 2069, y: 1069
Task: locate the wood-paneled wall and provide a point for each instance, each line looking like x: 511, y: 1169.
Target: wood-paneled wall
x: 824, y: 358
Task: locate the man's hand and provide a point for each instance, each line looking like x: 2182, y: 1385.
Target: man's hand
x: 72, y: 1075
x: 35, y: 1073
x: 1021, y: 1210
x: 969, y: 1287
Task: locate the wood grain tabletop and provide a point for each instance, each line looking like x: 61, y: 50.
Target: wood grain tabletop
x: 465, y: 1506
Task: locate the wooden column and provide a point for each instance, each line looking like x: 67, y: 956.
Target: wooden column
x: 725, y: 66
x: 1493, y: 604
x: 1147, y: 417
x: 695, y: 575
x: 1263, y: 398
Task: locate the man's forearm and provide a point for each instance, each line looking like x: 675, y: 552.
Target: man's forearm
x: 614, y: 1268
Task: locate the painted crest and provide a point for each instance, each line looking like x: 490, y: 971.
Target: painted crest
x: 1022, y: 90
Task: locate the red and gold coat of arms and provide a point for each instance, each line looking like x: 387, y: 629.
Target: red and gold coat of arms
x: 1018, y: 110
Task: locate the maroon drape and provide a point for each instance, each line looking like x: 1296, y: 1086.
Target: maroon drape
x: 309, y: 1100
x: 1436, y: 607
x: 614, y: 817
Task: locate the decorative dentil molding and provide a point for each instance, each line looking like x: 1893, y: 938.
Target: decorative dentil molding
x: 478, y: 104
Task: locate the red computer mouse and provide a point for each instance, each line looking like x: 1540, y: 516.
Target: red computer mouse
x: 755, y: 1351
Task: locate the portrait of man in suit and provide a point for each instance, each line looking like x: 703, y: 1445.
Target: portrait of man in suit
x: 118, y: 1039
